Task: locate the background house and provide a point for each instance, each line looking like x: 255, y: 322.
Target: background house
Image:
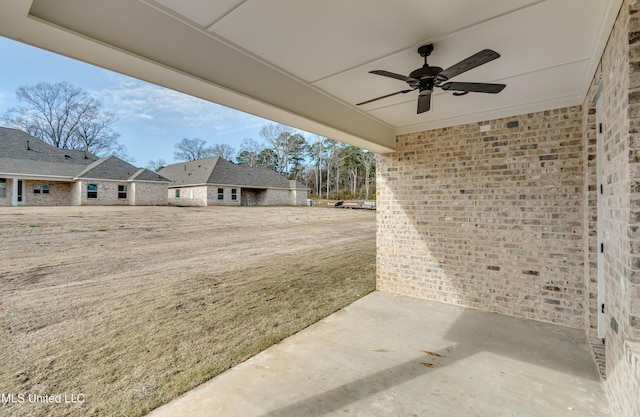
x: 215, y: 181
x: 35, y: 173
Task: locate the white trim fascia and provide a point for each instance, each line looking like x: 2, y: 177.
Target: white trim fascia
x: 496, y: 114
x: 36, y: 177
x: 120, y: 181
x: 150, y: 181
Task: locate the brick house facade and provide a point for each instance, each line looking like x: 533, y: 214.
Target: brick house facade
x: 217, y: 182
x: 35, y: 173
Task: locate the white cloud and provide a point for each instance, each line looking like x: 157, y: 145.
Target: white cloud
x: 133, y: 99
x: 143, y: 116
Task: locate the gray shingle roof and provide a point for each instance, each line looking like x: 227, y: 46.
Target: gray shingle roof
x: 217, y: 171
x: 23, y: 154
x: 114, y: 168
x: 144, y: 174
x: 40, y: 159
x: 191, y: 173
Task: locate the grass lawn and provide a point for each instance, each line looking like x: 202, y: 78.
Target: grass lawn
x: 125, y: 308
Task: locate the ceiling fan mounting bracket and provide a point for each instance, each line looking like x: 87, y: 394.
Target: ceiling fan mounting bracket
x: 425, y: 50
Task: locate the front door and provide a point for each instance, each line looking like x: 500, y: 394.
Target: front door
x: 19, y: 191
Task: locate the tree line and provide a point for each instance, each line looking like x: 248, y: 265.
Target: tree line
x: 329, y: 168
x: 67, y: 117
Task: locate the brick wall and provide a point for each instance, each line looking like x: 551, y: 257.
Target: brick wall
x: 148, y: 194
x: 227, y: 200
x: 616, y: 86
x: 208, y: 196
x: 275, y: 197
x: 297, y: 197
x: 59, y: 193
x: 189, y: 196
x: 492, y: 220
x: 107, y: 193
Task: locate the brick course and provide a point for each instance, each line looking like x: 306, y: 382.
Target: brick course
x: 491, y: 220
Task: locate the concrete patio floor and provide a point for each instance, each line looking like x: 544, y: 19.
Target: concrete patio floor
x: 390, y: 355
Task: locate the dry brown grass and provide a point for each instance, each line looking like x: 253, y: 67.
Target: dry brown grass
x: 132, y: 306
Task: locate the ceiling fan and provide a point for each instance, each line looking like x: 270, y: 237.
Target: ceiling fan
x: 426, y: 78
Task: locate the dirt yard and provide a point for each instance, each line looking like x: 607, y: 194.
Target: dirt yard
x: 113, y: 311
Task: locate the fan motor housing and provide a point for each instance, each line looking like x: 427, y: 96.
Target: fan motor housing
x: 426, y: 71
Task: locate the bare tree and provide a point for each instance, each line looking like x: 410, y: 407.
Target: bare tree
x: 66, y: 117
x: 274, y: 134
x: 249, y: 151
x: 352, y: 159
x: 332, y: 163
x: 369, y: 164
x: 94, y: 133
x: 156, y: 166
x: 192, y: 150
x: 222, y: 150
x: 317, y: 153
x: 287, y: 145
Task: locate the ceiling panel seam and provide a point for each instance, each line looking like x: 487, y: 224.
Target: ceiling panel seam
x: 415, y: 46
x: 212, y: 24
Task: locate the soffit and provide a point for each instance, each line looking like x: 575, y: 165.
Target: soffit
x: 306, y: 63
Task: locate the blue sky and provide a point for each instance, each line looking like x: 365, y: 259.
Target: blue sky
x: 151, y: 119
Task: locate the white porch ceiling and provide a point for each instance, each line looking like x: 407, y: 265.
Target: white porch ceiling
x: 305, y: 63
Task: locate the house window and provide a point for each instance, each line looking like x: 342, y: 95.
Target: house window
x: 234, y: 194
x: 3, y: 187
x: 45, y: 188
x: 92, y: 190
x: 122, y: 191
x: 220, y: 193
x: 36, y: 188
x: 178, y: 193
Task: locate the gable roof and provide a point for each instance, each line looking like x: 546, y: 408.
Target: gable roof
x: 21, y: 153
x: 26, y: 155
x: 190, y: 173
x: 143, y: 174
x: 114, y: 168
x: 217, y: 171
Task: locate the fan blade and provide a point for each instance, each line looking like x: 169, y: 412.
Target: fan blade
x: 404, y: 78
x: 465, y: 65
x: 424, y: 101
x: 388, y: 95
x: 474, y: 87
